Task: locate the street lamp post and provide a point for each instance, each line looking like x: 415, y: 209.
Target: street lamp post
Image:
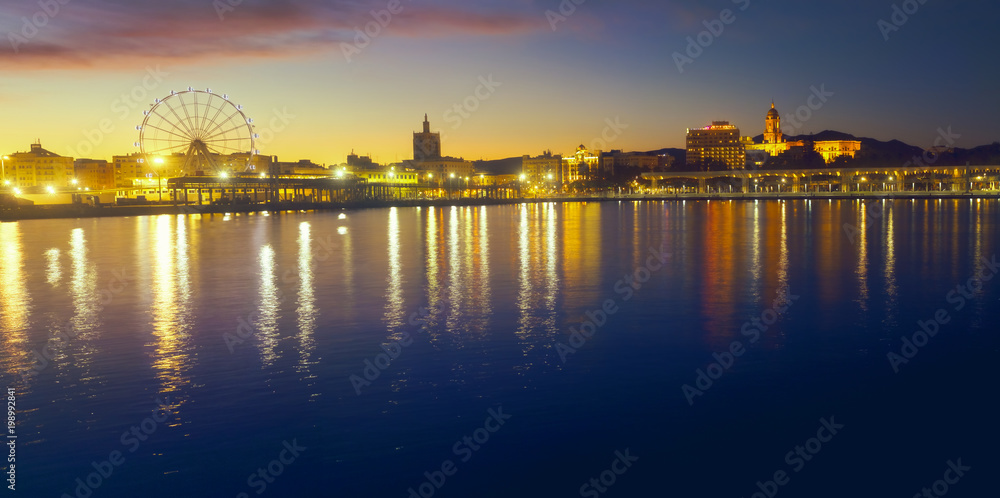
x: 159, y: 184
x: 3, y: 169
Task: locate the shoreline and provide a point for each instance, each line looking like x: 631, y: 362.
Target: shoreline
x: 63, y: 211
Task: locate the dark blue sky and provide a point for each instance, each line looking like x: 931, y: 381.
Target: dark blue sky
x: 607, y: 62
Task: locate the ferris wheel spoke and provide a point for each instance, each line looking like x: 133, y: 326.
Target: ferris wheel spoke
x: 182, y: 137
x: 194, y: 107
x: 157, y: 151
x: 205, y: 109
x: 213, y: 147
x: 152, y: 144
x: 195, y: 122
x: 243, y: 139
x: 177, y: 124
x: 208, y: 109
x: 217, y: 113
x: 188, y: 122
x: 204, y: 127
x: 174, y: 125
x: 225, y: 133
x: 164, y: 138
x: 211, y: 133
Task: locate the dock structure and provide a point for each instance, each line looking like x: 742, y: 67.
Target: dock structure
x: 200, y: 190
x: 868, y: 179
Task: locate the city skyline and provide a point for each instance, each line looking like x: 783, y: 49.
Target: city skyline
x: 525, y: 78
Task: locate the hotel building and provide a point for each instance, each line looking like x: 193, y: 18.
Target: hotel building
x: 719, y: 142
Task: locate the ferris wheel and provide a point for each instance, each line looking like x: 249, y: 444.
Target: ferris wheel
x: 207, y: 129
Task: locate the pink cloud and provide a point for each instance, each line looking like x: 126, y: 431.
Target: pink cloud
x: 110, y: 36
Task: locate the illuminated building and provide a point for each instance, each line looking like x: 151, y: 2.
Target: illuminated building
x: 544, y: 168
x: 720, y: 142
x: 445, y: 167
x: 394, y: 174
x: 426, y: 145
x: 775, y: 144
x: 94, y: 174
x: 772, y: 127
x: 427, y: 158
x: 582, y: 165
x: 364, y: 168
x: 128, y: 169
x: 39, y: 168
x: 240, y: 162
x: 832, y: 149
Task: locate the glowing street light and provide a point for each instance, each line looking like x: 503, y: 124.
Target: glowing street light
x: 159, y: 185
x: 50, y: 190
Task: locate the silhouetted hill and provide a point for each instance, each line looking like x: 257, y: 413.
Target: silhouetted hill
x: 678, y: 154
x: 983, y: 154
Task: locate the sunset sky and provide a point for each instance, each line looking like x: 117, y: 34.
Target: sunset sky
x: 62, y: 74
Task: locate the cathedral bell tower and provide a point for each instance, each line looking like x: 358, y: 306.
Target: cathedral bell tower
x: 772, y: 127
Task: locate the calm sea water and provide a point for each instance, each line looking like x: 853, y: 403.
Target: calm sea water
x: 214, y: 355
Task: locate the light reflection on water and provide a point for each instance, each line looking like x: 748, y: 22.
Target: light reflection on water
x: 524, y: 297
x: 553, y: 253
x: 306, y: 305
x: 171, y: 309
x: 394, y: 311
x: 454, y: 322
x: 53, y: 272
x: 266, y: 326
x: 15, y: 301
x: 83, y: 286
x: 862, y: 268
x: 502, y: 284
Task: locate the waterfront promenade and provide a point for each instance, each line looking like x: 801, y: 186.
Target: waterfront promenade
x: 84, y: 211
